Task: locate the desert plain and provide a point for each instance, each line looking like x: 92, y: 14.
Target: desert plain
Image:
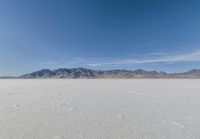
x: 99, y: 109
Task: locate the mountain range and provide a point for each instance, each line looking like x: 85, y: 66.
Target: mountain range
x: 76, y: 73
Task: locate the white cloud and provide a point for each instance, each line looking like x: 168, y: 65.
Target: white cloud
x: 165, y: 58
x: 150, y: 58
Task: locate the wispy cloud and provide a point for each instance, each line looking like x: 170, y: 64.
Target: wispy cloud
x: 150, y: 58
x: 44, y: 64
x: 160, y: 58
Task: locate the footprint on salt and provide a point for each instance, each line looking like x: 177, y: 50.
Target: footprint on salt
x: 179, y: 125
x: 119, y: 116
x: 9, y: 94
x: 71, y: 109
x: 163, y: 122
x: 59, y: 137
x: 61, y: 98
x: 16, y: 105
x: 61, y: 104
x: 198, y: 103
x: 83, y: 99
x: 119, y: 97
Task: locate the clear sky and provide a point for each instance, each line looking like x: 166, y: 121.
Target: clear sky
x: 99, y: 34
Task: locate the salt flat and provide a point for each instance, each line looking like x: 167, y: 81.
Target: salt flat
x: 99, y: 109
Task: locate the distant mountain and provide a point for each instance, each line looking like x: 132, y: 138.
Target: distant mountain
x: 76, y: 73
x: 193, y: 74
x: 45, y: 73
x: 9, y: 77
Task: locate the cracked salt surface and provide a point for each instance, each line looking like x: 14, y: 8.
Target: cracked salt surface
x: 99, y: 109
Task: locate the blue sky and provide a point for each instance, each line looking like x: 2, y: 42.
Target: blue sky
x: 99, y: 34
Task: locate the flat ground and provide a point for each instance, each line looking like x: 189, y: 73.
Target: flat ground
x: 99, y: 109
